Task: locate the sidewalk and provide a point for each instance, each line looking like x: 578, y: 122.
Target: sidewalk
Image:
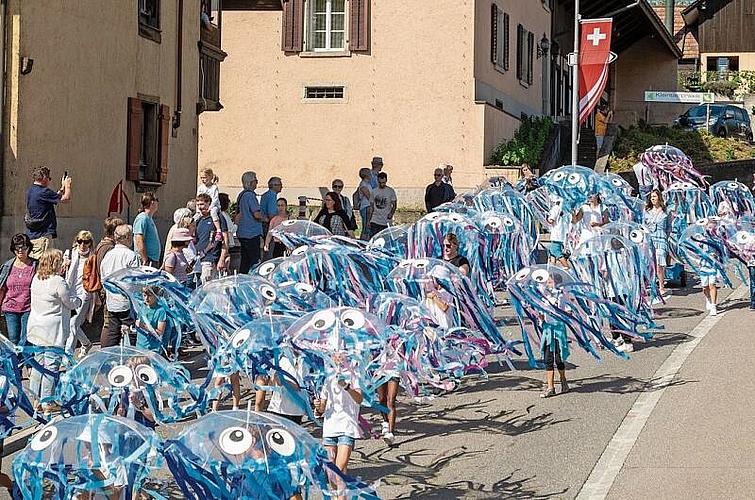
x: 697, y: 441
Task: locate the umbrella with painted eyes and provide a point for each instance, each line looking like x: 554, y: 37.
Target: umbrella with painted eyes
x: 669, y: 165
x: 391, y: 240
x: 423, y: 352
x: 458, y: 206
x: 171, y: 296
x: 222, y: 306
x: 418, y: 277
x: 574, y: 184
x: 703, y: 248
x: 507, y: 247
x: 615, y: 266
x: 283, y: 269
x: 83, y: 455
x: 685, y: 204
x: 103, y: 380
x: 550, y: 294
x: 426, y: 239
x: 616, y: 194
x: 739, y: 238
x: 348, y: 275
x: 293, y: 233
x: 295, y: 298
x: 12, y: 393
x: 737, y: 195
x: 342, y: 341
x: 238, y: 455
x: 638, y: 235
x: 507, y: 199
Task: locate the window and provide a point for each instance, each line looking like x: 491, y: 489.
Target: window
x: 330, y: 92
x: 210, y: 12
x: 525, y: 48
x: 499, y: 52
x: 147, y: 141
x: 327, y: 27
x: 149, y: 19
x: 209, y: 77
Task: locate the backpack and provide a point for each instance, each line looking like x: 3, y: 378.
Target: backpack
x: 356, y: 199
x: 90, y: 279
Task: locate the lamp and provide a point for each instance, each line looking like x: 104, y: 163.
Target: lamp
x: 543, y: 47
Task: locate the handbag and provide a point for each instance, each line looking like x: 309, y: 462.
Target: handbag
x: 35, y: 225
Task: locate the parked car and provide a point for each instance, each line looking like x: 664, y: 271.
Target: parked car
x: 724, y: 120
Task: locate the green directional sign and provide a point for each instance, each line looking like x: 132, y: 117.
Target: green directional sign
x: 691, y: 97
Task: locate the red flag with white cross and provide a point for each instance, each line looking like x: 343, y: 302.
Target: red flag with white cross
x: 594, y: 57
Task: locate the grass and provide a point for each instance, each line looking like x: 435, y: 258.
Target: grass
x: 702, y: 147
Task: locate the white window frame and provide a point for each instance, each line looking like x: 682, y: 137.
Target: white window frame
x: 310, y: 28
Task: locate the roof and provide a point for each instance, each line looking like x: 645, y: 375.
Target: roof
x: 702, y: 10
x: 682, y: 35
x: 630, y: 25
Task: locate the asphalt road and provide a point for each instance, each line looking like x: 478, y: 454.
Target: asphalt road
x: 496, y: 438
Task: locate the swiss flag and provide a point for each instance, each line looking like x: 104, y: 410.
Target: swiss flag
x: 594, y: 56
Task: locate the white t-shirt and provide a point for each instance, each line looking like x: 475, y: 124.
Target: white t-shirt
x: 590, y: 215
x: 341, y: 411
x: 214, y: 193
x: 382, y: 201
x: 282, y: 402
x: 560, y: 220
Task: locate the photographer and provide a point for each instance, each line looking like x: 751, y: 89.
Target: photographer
x: 40, y: 219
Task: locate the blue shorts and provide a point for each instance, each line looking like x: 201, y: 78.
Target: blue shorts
x: 557, y: 249
x: 341, y: 440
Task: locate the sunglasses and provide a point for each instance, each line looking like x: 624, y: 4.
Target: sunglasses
x: 20, y: 248
x: 448, y: 245
x: 84, y: 242
x: 338, y: 187
x: 437, y: 175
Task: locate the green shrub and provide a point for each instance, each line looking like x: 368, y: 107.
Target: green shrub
x: 702, y: 147
x: 527, y: 145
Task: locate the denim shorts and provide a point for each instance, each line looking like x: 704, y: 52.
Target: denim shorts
x: 341, y: 440
x: 557, y: 249
x: 708, y: 280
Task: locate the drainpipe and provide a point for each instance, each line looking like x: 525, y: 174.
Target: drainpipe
x: 176, y: 122
x: 3, y: 75
x: 670, y: 16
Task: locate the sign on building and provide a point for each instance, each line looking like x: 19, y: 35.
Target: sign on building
x: 691, y: 97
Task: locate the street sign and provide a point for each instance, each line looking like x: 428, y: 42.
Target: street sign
x: 691, y: 97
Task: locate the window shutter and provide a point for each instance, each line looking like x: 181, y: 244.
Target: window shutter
x: 506, y: 41
x: 133, y: 138
x: 530, y: 55
x: 494, y: 34
x: 519, y: 51
x: 162, y: 162
x: 293, y: 26
x: 359, y: 25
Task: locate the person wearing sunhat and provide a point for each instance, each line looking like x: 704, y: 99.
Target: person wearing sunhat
x: 175, y: 262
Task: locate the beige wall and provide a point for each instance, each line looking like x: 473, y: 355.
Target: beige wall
x: 70, y: 112
x: 411, y: 99
x: 646, y: 65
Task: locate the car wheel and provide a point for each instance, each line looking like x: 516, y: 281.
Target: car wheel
x: 749, y: 137
x: 722, y: 132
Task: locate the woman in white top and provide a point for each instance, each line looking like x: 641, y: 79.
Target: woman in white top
x: 74, y: 259
x: 593, y: 215
x: 52, y: 300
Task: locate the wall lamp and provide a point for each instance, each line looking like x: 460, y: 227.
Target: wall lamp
x: 26, y: 66
x: 543, y: 47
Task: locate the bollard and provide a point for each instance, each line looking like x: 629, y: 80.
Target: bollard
x: 302, y: 207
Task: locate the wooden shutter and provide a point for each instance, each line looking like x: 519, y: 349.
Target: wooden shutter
x: 530, y: 55
x: 506, y: 41
x: 519, y: 51
x: 164, y: 133
x: 494, y: 34
x: 293, y: 26
x: 133, y: 138
x: 359, y: 25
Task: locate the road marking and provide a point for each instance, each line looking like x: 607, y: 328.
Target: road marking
x: 609, y: 465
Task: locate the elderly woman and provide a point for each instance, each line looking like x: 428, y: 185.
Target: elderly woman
x: 74, y: 260
x: 15, y: 288
x: 49, y: 325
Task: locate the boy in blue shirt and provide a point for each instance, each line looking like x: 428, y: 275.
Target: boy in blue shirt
x: 154, y: 320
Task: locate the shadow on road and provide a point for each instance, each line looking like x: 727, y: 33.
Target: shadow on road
x: 617, y: 385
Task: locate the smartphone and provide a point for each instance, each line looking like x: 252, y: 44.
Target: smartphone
x: 65, y: 174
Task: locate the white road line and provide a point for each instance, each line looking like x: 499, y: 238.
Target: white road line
x: 609, y: 465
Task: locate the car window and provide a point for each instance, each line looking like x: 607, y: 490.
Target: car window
x: 739, y: 114
x: 716, y: 110
x: 696, y: 112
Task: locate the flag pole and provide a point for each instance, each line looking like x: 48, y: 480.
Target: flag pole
x: 575, y: 88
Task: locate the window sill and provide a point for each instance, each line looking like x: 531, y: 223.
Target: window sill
x: 145, y: 186
x: 333, y: 53
x: 524, y: 84
x: 208, y: 105
x: 150, y: 33
x: 499, y: 69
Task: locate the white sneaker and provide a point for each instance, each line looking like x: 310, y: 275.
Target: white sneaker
x: 384, y: 429
x: 708, y: 304
x: 713, y: 310
x: 618, y: 342
x: 389, y: 438
x: 628, y: 347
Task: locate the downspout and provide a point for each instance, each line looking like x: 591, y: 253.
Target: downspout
x: 3, y: 127
x: 176, y: 123
x: 670, y: 16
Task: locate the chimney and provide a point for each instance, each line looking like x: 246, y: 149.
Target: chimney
x: 670, y: 16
